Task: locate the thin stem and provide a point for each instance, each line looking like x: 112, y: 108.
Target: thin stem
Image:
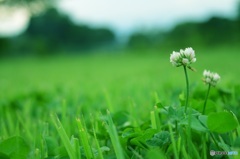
x: 187, y: 85
x: 214, y: 140
x: 176, y: 126
x: 204, y: 150
x: 173, y: 142
x: 205, y: 102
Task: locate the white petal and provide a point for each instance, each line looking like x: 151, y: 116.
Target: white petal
x: 216, y: 77
x: 185, y: 61
x: 193, y: 60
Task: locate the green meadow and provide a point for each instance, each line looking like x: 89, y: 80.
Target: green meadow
x: 118, y: 105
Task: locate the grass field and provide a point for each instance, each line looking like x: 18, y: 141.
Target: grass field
x: 56, y: 107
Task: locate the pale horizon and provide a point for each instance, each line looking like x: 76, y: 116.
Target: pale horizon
x: 124, y: 16
x: 127, y: 16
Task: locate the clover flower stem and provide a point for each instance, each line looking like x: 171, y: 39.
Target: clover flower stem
x: 214, y: 140
x: 187, y: 85
x: 205, y: 102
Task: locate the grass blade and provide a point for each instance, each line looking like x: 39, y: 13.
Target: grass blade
x: 114, y: 137
x: 98, y: 146
x: 63, y: 135
x: 173, y: 142
x: 76, y: 147
x: 155, y: 121
x: 84, y: 139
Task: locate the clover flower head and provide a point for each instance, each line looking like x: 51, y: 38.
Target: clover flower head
x: 211, y: 78
x: 189, y: 52
x: 185, y: 61
x: 174, y: 58
x: 183, y: 57
x: 216, y: 77
x: 206, y: 73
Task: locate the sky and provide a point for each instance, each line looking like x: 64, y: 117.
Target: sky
x: 125, y: 16
x: 13, y: 21
x: 128, y: 15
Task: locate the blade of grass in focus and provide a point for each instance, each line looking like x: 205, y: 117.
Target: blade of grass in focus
x: 84, y: 139
x: 63, y: 135
x: 114, y: 137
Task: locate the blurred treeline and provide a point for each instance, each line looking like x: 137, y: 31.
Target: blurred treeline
x: 215, y: 32
x: 53, y: 32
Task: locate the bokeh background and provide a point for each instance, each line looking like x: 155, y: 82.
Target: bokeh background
x: 92, y: 47
x: 54, y: 27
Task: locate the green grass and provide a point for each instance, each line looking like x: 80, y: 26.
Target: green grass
x: 57, y: 106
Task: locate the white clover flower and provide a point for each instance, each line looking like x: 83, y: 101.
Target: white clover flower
x: 174, y: 56
x: 184, y: 57
x: 206, y: 73
x: 175, y: 59
x: 210, y: 77
x: 216, y: 77
x: 207, y: 80
x: 181, y: 51
x: 185, y: 61
x: 193, y: 60
x: 189, y: 52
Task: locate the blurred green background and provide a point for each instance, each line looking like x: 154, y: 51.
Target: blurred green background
x: 50, y: 30
x: 54, y: 53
